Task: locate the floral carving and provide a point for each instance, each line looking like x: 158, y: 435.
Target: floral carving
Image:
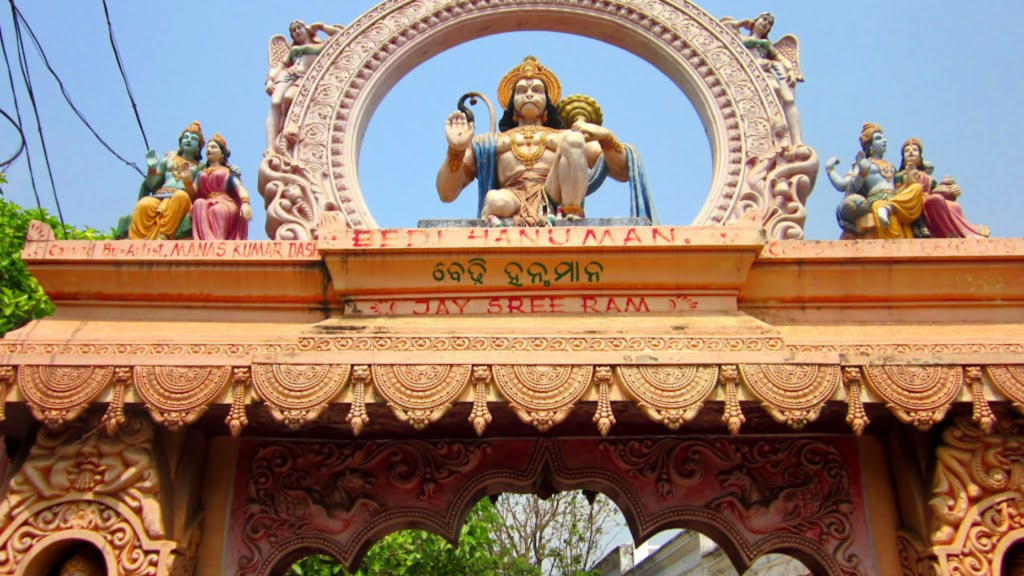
x: 480, y: 416
x: 357, y: 416
x: 1009, y: 379
x: 542, y: 396
x: 331, y: 489
x: 420, y: 394
x: 672, y: 395
x: 918, y: 395
x: 76, y: 463
x: 856, y: 417
x: 58, y: 394
x: 792, y: 393
x: 176, y: 396
x: 765, y: 487
x: 535, y: 344
x: 297, y: 393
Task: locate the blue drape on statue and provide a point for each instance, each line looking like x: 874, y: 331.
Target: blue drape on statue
x: 640, y: 202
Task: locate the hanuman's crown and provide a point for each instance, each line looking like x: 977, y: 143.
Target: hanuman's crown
x: 867, y: 132
x: 529, y: 68
x: 194, y: 128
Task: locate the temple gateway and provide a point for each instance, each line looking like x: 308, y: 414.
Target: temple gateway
x: 855, y: 404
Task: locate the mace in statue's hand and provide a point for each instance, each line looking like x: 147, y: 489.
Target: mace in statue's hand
x: 459, y: 131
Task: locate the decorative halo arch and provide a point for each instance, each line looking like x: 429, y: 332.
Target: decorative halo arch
x: 734, y: 99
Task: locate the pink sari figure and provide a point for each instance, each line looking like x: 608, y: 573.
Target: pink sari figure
x: 945, y: 216
x: 220, y: 208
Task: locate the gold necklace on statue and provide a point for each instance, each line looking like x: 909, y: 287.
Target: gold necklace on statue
x: 529, y: 159
x: 886, y: 169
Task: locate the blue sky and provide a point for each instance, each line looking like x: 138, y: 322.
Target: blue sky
x: 937, y: 70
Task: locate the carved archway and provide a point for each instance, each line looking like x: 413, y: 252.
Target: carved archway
x: 342, y: 497
x: 747, y: 129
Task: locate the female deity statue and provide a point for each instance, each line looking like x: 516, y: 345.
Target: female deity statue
x: 942, y: 213
x: 221, y: 208
x: 533, y: 162
x: 780, y: 61
x: 288, y: 64
x: 870, y: 188
x: 163, y: 201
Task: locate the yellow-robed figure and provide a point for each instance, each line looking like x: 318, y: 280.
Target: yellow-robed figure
x: 165, y: 202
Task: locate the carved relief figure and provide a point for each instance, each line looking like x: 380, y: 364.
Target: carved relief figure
x: 77, y: 462
x: 288, y: 64
x: 870, y: 189
x: 780, y: 62
x: 942, y: 214
x: 221, y: 208
x: 163, y: 201
x: 533, y: 164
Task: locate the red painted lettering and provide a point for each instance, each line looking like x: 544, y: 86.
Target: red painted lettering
x: 442, y: 308
x: 531, y: 235
x: 478, y: 234
x: 556, y: 304
x: 424, y: 303
x: 362, y: 238
x: 658, y: 233
x: 639, y: 305
x: 612, y: 306
x: 461, y: 306
x: 553, y: 231
x: 605, y: 235
x: 515, y: 304
x: 537, y: 304
x: 631, y: 237
x: 494, y: 306
x: 416, y: 238
x: 589, y: 304
x: 387, y: 238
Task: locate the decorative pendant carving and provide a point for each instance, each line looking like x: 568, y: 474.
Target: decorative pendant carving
x: 1009, y: 380
x: 6, y: 381
x: 542, y: 396
x: 480, y: 417
x: 420, y: 394
x: 732, y: 414
x: 113, y: 419
x: 58, y: 394
x: 982, y: 413
x: 357, y: 416
x: 297, y: 393
x: 792, y: 393
x: 671, y: 395
x: 177, y: 396
x: 856, y: 417
x: 237, y: 420
x: 603, y: 416
x: 918, y: 395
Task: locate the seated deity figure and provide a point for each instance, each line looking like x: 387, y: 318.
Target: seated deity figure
x: 780, y: 61
x: 163, y: 201
x: 535, y: 167
x: 942, y: 213
x: 220, y: 209
x: 870, y: 189
x: 288, y: 64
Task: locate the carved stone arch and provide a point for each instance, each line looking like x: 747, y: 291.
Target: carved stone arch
x: 287, y: 553
x: 45, y: 553
x: 984, y: 536
x: 358, y: 66
x: 106, y: 523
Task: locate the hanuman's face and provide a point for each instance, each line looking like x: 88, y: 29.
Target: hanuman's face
x: 529, y: 98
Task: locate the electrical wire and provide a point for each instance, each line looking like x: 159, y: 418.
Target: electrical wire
x: 124, y: 76
x: 21, y: 127
x: 21, y: 147
x: 23, y: 61
x: 63, y: 90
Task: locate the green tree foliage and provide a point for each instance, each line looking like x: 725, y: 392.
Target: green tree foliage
x: 521, y: 536
x: 415, y: 552
x: 21, y: 297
